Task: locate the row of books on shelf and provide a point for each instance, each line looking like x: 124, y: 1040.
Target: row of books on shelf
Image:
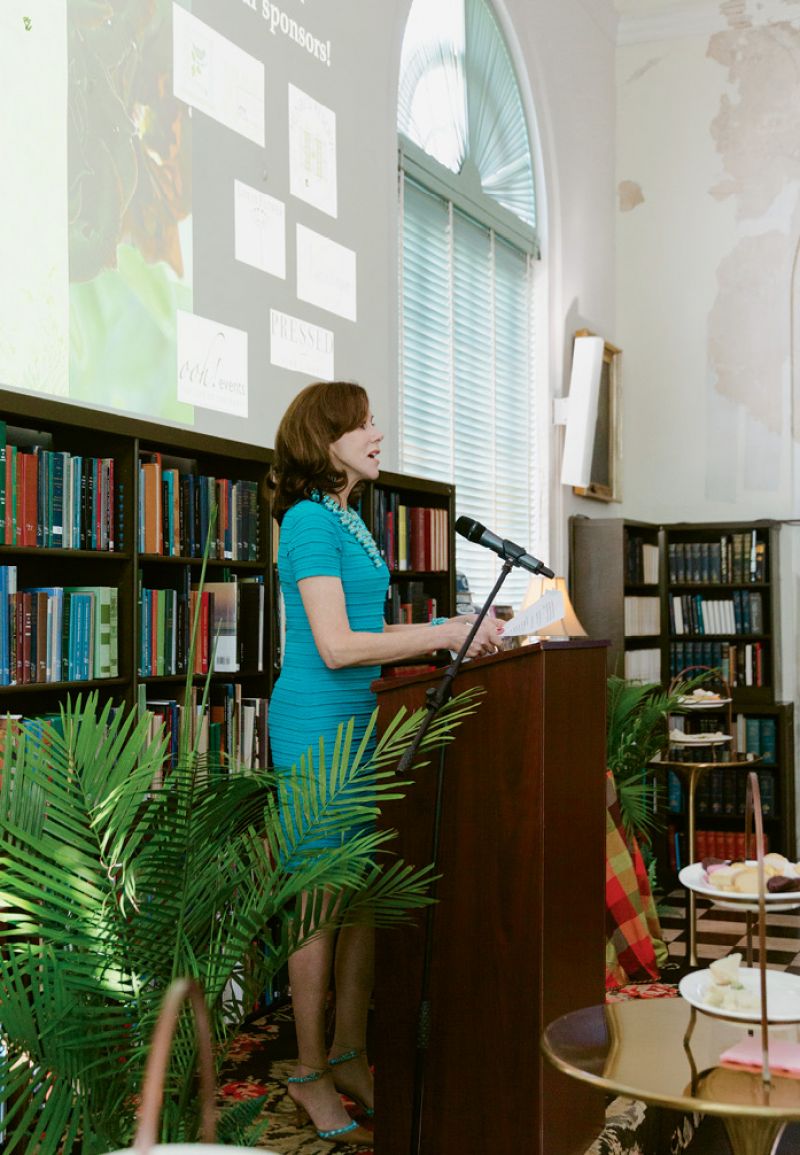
x: 408, y: 603
x: 741, y: 664
x: 736, y: 557
x: 176, y: 507
x: 641, y: 561
x: 642, y: 616
x: 56, y: 500
x: 231, y: 734
x: 410, y: 537
x: 230, y: 630
x: 721, y: 791
x: 707, y: 844
x: 56, y: 633
x: 643, y: 665
x: 757, y: 735
x: 742, y: 613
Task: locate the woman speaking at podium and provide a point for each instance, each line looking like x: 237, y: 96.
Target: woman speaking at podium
x: 334, y: 585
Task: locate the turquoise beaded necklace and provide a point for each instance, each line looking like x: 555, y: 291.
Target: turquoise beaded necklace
x: 352, y: 523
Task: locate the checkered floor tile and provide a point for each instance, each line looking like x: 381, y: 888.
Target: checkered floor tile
x: 720, y: 932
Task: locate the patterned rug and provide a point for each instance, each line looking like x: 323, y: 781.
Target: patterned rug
x: 263, y: 1055
x: 259, y: 1063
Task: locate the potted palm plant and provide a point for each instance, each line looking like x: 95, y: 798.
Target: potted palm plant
x: 112, y: 886
x: 637, y: 716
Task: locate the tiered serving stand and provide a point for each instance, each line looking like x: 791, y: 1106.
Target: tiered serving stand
x: 717, y: 749
x: 779, y: 992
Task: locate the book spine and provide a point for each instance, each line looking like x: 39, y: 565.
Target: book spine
x: 3, y: 455
x: 11, y: 495
x: 57, y: 515
x: 24, y: 664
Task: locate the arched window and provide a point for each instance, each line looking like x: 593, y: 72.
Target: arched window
x: 468, y: 257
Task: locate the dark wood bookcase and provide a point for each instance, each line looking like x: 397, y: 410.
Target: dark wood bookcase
x: 733, y: 566
x: 612, y: 562
x: 767, y: 732
x: 723, y: 571
x: 60, y: 426
x: 422, y: 576
x: 64, y: 427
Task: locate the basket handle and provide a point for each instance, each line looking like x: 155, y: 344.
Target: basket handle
x: 156, y: 1067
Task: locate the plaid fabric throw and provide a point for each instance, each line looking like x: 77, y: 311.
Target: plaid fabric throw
x: 632, y: 924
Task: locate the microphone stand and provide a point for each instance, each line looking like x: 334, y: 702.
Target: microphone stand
x: 436, y: 697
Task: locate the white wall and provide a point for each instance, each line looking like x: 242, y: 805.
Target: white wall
x: 568, y: 51
x: 708, y: 221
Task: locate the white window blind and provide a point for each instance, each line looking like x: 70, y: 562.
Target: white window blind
x: 467, y: 389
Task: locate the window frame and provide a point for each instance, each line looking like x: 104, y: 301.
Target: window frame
x: 447, y: 192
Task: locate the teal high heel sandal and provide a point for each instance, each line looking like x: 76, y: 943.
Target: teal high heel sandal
x: 346, y: 1057
x: 352, y: 1132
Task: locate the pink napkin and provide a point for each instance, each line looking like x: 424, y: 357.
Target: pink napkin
x: 784, y: 1057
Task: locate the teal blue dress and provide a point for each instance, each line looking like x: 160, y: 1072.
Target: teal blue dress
x: 309, y: 701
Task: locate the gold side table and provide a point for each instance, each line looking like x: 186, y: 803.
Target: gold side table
x: 659, y: 1051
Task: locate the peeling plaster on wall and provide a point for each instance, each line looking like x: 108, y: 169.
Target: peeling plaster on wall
x: 735, y: 12
x: 755, y: 134
x: 630, y: 195
x: 747, y: 326
x: 756, y: 13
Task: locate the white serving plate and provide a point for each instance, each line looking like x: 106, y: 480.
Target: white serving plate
x: 783, y: 995
x: 699, y: 739
x: 694, y: 878
x: 690, y: 703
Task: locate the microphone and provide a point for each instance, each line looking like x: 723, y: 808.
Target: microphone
x: 474, y: 531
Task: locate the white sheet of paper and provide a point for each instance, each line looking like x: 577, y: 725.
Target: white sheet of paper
x: 549, y: 608
x: 326, y: 273
x: 214, y: 75
x: 299, y: 345
x: 259, y: 229
x: 312, y: 151
x: 212, y: 364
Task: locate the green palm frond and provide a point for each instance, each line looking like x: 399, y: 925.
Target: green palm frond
x: 112, y: 886
x: 636, y: 731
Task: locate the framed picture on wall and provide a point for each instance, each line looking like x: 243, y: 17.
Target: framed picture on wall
x: 605, y: 481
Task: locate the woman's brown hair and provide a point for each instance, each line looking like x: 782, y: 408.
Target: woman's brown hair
x: 319, y: 415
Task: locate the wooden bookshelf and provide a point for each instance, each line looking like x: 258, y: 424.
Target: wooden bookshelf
x: 766, y: 732
x: 615, y: 564
x: 730, y: 567
x: 420, y: 554
x: 722, y: 605
x: 62, y: 428
x: 167, y: 563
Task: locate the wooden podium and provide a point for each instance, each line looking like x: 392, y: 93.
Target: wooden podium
x: 518, y: 935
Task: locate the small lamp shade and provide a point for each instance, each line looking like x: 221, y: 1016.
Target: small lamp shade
x: 566, y: 627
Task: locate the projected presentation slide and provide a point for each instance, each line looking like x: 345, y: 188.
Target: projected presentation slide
x: 96, y: 225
